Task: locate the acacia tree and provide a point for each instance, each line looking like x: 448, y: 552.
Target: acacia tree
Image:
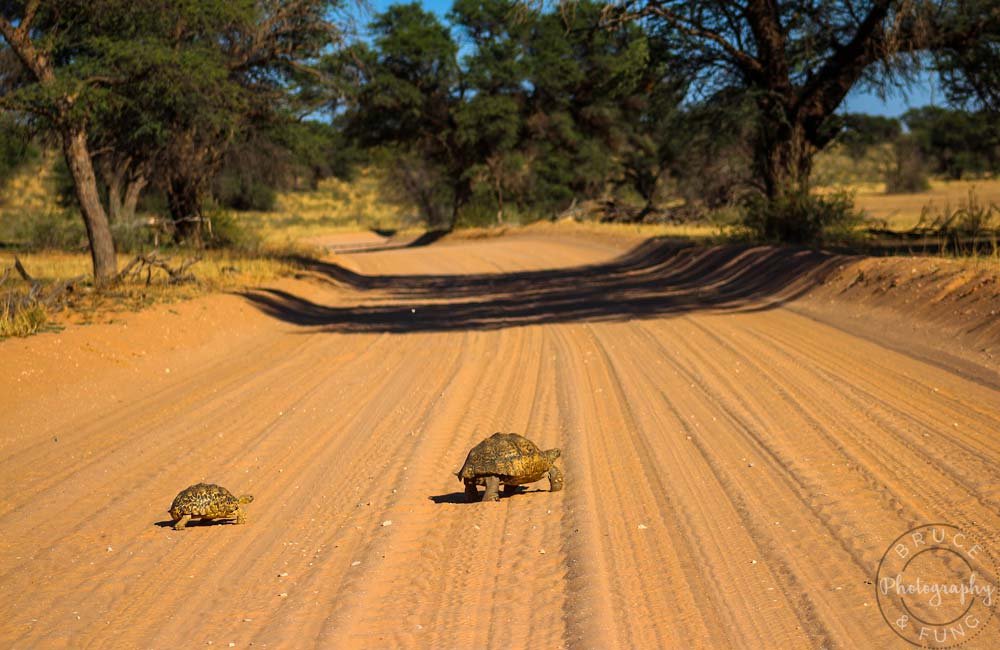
x: 798, y: 60
x: 53, y: 86
x: 971, y: 70
x: 410, y: 90
x: 155, y: 90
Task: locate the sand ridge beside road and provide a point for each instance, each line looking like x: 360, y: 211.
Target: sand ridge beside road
x: 734, y: 469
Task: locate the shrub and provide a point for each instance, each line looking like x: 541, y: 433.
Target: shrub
x: 244, y: 192
x: 54, y: 229
x: 907, y: 173
x: 800, y: 217
x: 227, y: 231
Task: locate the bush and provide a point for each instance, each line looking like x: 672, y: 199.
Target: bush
x: 243, y: 192
x: 227, y: 231
x: 906, y: 174
x: 55, y: 229
x: 800, y: 217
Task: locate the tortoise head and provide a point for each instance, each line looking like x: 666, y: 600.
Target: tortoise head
x: 552, y: 454
x: 245, y: 498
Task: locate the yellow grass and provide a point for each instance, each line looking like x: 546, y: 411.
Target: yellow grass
x: 902, y: 211
x: 695, y: 232
x: 32, y: 190
x: 217, y: 271
x: 335, y: 206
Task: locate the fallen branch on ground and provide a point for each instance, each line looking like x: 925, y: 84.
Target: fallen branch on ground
x: 48, y: 296
x: 148, y: 262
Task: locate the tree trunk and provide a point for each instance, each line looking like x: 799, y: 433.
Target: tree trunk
x: 114, y: 177
x: 132, y: 193
x: 184, y: 203
x: 784, y: 157
x: 499, y: 189
x: 102, y: 246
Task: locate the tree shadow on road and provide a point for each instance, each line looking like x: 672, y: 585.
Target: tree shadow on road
x: 657, y: 278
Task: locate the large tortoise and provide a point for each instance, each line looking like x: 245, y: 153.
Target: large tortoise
x: 207, y: 501
x: 510, y: 460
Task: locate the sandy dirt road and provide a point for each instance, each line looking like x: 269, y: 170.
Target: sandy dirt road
x: 735, y: 470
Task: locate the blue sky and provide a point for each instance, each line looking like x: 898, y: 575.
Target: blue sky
x: 921, y: 93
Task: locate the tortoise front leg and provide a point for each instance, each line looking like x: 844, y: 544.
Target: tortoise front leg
x: 241, y: 515
x: 492, y: 489
x: 179, y: 524
x: 471, y: 493
x: 555, y: 479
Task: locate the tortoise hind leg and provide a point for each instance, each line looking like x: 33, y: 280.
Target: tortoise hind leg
x: 555, y: 479
x: 179, y: 524
x: 492, y: 489
x: 471, y: 493
x: 511, y: 490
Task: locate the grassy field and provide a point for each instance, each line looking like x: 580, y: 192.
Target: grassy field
x: 902, y: 211
x: 216, y: 271
x: 335, y: 206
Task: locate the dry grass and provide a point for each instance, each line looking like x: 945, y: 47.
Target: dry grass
x: 694, y: 232
x: 32, y: 190
x: 20, y: 321
x: 336, y: 206
x: 902, y: 211
x: 217, y: 271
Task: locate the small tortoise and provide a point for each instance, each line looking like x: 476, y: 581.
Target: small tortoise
x: 206, y: 501
x: 509, y: 459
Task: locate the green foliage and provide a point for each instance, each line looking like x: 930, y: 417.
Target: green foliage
x: 970, y: 66
x: 957, y: 143
x: 859, y: 132
x: 534, y: 112
x: 57, y: 229
x: 163, y: 89
x: 800, y: 217
x: 16, y: 147
x: 228, y: 231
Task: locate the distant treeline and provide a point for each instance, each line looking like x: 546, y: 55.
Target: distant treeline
x: 951, y: 143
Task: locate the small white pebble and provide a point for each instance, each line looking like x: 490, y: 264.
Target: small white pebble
x: 413, y: 311
x: 247, y: 620
x: 282, y: 574
x: 283, y: 595
x: 110, y: 549
x: 387, y: 522
x: 642, y: 526
x: 542, y: 551
x: 232, y: 645
x: 753, y: 561
x: 355, y: 562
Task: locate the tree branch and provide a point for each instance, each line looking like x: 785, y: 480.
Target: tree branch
x: 29, y: 16
x: 838, y: 74
x: 744, y: 61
